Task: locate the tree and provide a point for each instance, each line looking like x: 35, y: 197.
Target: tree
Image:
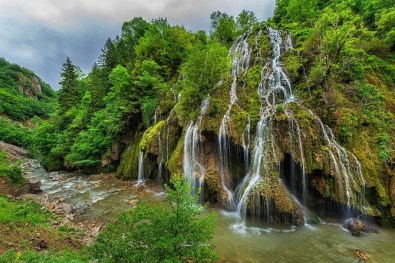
x: 223, y: 27
x: 97, y: 85
x: 177, y: 232
x: 108, y: 58
x: 70, y: 93
x: 106, y: 124
x: 246, y: 20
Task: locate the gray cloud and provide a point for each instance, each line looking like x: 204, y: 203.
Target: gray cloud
x: 41, y: 34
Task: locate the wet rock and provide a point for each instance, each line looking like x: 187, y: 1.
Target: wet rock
x: 370, y: 229
x: 51, y: 206
x: 354, y: 225
x: 361, y: 254
x: 66, y: 208
x: 34, y: 187
x: 29, y: 188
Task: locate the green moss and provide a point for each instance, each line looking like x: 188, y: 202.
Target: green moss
x: 176, y: 158
x: 270, y: 188
x: 292, y: 63
x: 127, y: 168
x: 239, y: 120
x: 149, y: 142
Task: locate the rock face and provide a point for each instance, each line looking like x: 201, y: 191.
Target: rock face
x: 15, y: 152
x: 354, y: 225
x: 29, y: 86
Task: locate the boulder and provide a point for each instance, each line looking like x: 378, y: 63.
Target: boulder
x: 33, y: 187
x: 67, y: 208
x: 370, y: 229
x: 354, y: 225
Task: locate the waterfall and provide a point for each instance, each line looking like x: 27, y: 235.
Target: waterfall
x: 240, y: 54
x: 295, y: 124
x: 274, y: 85
x: 341, y: 164
x: 161, y: 165
x: 246, y: 139
x: 140, y: 178
x: 193, y: 170
x: 157, y: 114
x: 288, y: 42
x: 275, y: 92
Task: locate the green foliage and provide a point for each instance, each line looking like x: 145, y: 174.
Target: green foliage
x: 65, y: 256
x: 13, y: 172
x: 70, y: 93
x: 386, y: 26
x: 22, y: 94
x: 177, y: 232
x: 246, y: 21
x: 148, y: 107
x: 22, y: 212
x: 205, y: 67
x: 20, y: 108
x: 224, y: 27
x: 14, y: 133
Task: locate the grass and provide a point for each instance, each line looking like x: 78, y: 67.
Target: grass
x: 66, y: 256
x: 24, y: 225
x: 22, y: 212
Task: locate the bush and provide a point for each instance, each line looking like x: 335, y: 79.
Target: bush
x: 176, y: 232
x: 14, y: 133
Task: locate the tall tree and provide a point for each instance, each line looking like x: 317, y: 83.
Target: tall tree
x: 223, y: 27
x: 70, y: 93
x: 98, y: 83
x: 108, y: 58
x: 246, y: 20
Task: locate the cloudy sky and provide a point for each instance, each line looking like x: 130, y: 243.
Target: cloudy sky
x: 40, y: 34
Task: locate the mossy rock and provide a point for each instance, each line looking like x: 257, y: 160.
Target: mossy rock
x: 127, y: 168
x: 175, y: 164
x: 150, y: 141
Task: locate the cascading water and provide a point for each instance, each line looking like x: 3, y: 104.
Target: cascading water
x: 246, y: 140
x: 193, y: 170
x: 140, y: 178
x: 275, y: 92
x: 240, y: 54
x: 341, y: 165
x: 161, y: 165
x: 274, y: 85
x: 157, y: 115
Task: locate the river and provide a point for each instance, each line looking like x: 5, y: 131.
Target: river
x: 100, y: 198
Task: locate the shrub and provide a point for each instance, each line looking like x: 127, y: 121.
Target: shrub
x: 176, y: 232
